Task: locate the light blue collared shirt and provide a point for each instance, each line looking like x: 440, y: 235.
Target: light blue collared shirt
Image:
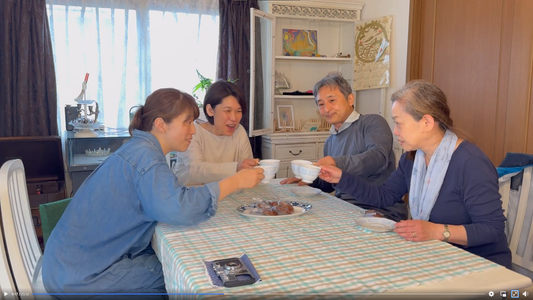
x: 354, y: 116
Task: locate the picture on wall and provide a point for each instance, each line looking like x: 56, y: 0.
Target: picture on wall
x: 372, y: 54
x: 298, y: 42
x: 285, y: 116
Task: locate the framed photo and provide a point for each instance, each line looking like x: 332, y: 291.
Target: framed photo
x: 285, y: 116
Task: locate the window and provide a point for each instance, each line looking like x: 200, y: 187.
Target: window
x: 130, y: 48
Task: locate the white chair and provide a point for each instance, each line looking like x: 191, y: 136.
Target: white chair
x: 519, y: 221
x: 21, y: 240
x: 7, y: 286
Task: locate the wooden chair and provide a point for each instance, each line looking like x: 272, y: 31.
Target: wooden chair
x: 516, y: 237
x: 21, y: 240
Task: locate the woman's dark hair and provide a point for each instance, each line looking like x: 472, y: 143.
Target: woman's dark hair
x: 217, y: 92
x: 166, y: 104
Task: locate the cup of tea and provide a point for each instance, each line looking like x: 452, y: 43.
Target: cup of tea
x: 295, y: 166
x: 308, y: 173
x: 270, y: 162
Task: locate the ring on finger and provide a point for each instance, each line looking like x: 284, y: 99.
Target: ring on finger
x: 413, y: 234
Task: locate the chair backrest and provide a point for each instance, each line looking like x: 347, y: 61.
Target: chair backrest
x: 8, y: 290
x: 505, y: 192
x: 21, y: 240
x: 50, y: 215
x: 521, y: 234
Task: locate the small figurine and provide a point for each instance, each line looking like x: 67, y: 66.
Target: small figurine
x: 339, y: 55
x: 84, y: 125
x: 81, y: 96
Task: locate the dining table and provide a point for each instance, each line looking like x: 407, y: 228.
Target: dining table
x: 320, y: 252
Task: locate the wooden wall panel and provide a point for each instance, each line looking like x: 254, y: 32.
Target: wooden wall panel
x: 467, y: 48
x: 519, y: 79
x: 529, y: 135
x: 427, y: 41
x: 503, y: 78
x: 413, y: 48
x: 480, y: 52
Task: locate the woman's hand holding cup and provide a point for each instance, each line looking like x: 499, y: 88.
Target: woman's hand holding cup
x: 248, y: 163
x: 249, y: 178
x: 330, y: 174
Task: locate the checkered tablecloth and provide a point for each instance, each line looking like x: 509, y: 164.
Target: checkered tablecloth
x: 321, y: 252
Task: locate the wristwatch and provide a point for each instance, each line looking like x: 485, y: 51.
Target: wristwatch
x: 446, y: 234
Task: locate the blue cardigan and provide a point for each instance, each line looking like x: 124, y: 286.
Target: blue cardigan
x: 469, y: 196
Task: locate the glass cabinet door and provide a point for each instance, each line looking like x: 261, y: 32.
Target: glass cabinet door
x: 261, y: 73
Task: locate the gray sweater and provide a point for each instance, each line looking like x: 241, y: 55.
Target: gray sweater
x: 363, y: 149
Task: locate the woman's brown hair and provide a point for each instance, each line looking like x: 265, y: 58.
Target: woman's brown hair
x: 421, y: 98
x: 166, y: 104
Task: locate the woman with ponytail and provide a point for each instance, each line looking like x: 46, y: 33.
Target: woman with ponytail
x: 452, y: 185
x: 102, y: 242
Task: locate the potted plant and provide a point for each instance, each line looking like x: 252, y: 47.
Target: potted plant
x: 202, y: 86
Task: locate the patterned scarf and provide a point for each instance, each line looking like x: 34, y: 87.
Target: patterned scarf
x: 426, y: 182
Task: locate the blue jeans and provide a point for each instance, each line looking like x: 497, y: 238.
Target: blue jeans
x: 141, y: 274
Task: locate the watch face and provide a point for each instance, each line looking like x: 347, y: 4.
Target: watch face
x: 446, y: 234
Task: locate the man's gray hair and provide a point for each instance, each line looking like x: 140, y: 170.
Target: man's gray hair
x: 333, y: 80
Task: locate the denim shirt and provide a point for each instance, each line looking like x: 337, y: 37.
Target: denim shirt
x: 113, y: 215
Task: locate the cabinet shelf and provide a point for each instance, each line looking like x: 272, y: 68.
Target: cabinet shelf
x: 343, y: 59
x: 82, y: 159
x: 79, y: 165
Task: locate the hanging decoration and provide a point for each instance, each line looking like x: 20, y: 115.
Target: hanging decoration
x: 372, y: 54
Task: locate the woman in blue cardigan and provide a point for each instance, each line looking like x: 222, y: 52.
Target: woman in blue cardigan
x: 452, y: 185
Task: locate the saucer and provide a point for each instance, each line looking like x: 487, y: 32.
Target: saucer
x: 376, y: 224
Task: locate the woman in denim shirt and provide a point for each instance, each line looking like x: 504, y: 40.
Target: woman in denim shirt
x: 102, y: 242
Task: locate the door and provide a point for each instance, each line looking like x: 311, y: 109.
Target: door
x: 261, y: 73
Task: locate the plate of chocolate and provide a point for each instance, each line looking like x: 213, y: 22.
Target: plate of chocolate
x: 274, y: 209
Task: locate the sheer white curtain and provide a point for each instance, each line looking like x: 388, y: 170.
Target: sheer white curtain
x: 130, y: 48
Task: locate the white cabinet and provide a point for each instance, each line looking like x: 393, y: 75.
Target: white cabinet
x: 320, y: 150
x: 335, y: 32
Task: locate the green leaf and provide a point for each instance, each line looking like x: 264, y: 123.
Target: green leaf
x: 205, y: 82
x: 197, y: 87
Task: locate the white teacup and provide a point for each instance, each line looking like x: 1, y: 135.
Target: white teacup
x: 308, y: 173
x: 269, y: 172
x: 270, y: 162
x: 295, y: 164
